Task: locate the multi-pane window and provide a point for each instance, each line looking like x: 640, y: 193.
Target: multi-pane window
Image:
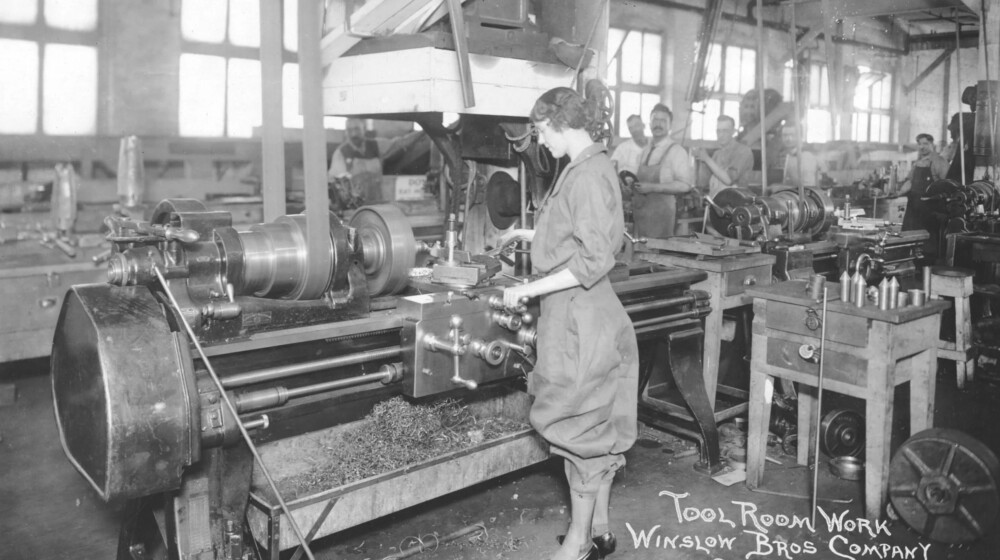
x: 730, y: 74
x: 220, y: 73
x: 634, y: 73
x: 48, y: 67
x: 872, y: 118
x: 819, y: 127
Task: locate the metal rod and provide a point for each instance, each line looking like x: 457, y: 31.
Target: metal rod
x: 798, y: 114
x: 694, y: 314
x: 958, y: 95
x: 760, y: 94
x: 670, y: 302
x: 281, y: 372
x: 819, y: 406
x: 307, y: 390
x: 232, y: 410
x: 522, y: 179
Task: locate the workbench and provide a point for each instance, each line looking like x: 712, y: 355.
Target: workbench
x: 33, y: 281
x: 866, y: 354
x: 727, y: 280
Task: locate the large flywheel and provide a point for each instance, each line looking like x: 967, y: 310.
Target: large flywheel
x: 388, y: 245
x: 943, y: 484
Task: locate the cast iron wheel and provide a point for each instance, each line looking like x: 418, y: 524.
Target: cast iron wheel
x: 943, y: 484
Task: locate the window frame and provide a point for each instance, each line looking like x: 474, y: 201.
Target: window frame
x: 871, y: 110
x: 43, y: 34
x: 226, y: 50
x: 620, y: 86
x: 720, y: 94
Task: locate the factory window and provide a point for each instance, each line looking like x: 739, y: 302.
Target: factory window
x: 730, y: 74
x: 634, y: 73
x: 220, y: 73
x: 819, y: 127
x: 48, y: 85
x: 872, y: 118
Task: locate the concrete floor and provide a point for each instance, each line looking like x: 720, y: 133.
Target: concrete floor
x: 51, y: 513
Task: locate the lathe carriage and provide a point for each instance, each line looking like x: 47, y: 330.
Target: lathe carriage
x: 197, y: 313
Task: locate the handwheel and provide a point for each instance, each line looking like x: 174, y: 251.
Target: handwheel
x: 943, y: 484
x: 389, y: 249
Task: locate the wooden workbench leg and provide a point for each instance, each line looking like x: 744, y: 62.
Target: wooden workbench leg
x: 878, y: 417
x: 922, y: 390
x: 963, y: 336
x: 761, y: 395
x: 807, y: 433
x: 713, y: 345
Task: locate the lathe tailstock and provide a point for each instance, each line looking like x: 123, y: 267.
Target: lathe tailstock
x: 198, y: 314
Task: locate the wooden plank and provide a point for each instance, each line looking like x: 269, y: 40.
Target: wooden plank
x: 376, y: 17
x: 839, y: 366
x: 695, y: 246
x: 841, y: 327
x: 428, y: 79
x: 722, y: 264
x: 794, y: 292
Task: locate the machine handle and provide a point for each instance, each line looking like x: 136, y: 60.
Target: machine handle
x: 750, y: 280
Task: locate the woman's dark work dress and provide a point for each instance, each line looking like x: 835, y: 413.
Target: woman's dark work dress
x: 918, y: 212
x: 586, y: 379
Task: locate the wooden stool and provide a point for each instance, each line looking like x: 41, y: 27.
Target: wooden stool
x: 956, y: 283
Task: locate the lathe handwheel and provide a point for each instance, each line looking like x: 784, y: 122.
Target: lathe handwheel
x: 390, y: 250
x: 842, y: 432
x: 943, y: 484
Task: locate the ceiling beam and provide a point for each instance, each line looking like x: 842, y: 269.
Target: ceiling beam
x: 811, y: 11
x: 968, y: 39
x: 927, y: 71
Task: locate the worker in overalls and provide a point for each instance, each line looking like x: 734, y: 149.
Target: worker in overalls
x: 929, y: 167
x: 585, y: 380
x: 664, y: 172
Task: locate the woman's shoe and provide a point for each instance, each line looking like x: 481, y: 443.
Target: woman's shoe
x: 606, y: 543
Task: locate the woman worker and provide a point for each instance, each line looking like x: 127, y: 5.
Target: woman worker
x: 585, y: 381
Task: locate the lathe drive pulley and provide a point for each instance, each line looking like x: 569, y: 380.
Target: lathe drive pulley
x: 741, y: 214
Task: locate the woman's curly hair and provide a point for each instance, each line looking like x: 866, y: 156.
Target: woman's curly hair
x: 563, y: 108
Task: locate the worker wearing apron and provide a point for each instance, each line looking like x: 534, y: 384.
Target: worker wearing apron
x: 664, y: 173
x: 930, y: 167
x: 585, y: 380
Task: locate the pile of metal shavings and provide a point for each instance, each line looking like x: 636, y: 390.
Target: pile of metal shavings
x: 395, y: 434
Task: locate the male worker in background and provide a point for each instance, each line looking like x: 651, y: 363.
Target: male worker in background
x: 929, y: 167
x: 356, y: 166
x: 802, y: 171
x: 664, y: 172
x: 626, y: 155
x: 731, y: 163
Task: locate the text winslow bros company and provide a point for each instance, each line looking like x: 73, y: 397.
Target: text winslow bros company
x: 745, y: 521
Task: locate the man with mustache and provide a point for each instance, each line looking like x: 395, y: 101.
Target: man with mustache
x: 664, y: 172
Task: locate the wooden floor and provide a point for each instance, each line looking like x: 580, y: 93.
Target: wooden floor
x: 49, y: 512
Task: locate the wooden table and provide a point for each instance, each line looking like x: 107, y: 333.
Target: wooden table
x: 867, y: 353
